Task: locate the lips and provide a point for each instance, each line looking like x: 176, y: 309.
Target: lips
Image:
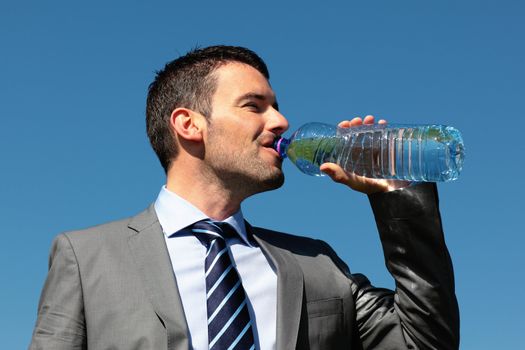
x: 266, y: 141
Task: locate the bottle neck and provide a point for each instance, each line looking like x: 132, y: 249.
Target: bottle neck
x: 281, y: 145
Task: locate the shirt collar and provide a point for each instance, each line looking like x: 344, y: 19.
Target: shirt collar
x: 176, y: 213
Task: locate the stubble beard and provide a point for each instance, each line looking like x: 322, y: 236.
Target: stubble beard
x: 244, y: 173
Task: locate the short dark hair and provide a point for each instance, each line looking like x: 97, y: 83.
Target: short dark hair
x: 188, y: 82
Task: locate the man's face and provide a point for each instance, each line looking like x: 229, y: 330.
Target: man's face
x: 243, y: 125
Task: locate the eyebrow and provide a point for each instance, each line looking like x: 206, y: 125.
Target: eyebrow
x: 256, y: 96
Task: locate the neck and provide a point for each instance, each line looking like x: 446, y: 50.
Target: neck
x: 210, y: 197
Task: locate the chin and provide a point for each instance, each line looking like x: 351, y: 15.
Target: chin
x: 274, y: 182
x: 259, y: 184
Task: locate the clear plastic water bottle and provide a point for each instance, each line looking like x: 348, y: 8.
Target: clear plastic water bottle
x: 381, y: 151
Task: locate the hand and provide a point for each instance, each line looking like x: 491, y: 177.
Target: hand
x: 356, y: 182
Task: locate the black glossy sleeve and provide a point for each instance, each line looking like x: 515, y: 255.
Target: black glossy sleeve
x: 424, y: 304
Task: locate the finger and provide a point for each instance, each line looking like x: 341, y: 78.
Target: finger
x: 344, y: 124
x: 356, y: 121
x: 335, y: 172
x: 369, y: 119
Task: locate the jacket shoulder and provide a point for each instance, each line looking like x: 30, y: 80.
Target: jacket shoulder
x: 113, y: 230
x: 306, y: 250
x: 289, y: 241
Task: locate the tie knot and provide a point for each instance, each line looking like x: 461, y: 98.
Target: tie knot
x: 207, y: 231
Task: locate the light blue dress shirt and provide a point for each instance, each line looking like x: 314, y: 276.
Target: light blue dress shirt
x: 187, y: 256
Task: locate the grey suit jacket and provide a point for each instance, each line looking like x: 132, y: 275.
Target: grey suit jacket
x: 112, y: 287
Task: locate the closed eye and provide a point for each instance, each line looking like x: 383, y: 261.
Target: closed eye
x: 252, y: 106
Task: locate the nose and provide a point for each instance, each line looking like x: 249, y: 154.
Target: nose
x: 277, y: 123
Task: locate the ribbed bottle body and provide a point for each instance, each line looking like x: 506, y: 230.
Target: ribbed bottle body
x: 393, y: 151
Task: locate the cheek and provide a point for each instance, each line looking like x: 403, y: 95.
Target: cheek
x: 237, y: 135
x: 249, y: 128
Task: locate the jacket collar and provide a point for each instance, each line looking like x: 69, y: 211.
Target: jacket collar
x: 149, y: 251
x: 290, y: 286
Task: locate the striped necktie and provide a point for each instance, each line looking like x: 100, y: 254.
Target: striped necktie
x: 229, y: 324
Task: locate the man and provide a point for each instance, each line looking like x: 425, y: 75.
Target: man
x: 150, y: 282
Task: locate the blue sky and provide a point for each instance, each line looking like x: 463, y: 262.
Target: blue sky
x: 74, y: 152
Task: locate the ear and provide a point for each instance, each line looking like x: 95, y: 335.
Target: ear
x: 187, y: 124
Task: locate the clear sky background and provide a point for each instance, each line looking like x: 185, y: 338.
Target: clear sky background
x: 74, y: 153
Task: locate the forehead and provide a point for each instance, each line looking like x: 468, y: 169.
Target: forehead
x: 237, y: 79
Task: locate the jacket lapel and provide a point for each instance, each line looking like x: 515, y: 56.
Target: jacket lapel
x: 149, y: 250
x: 289, y: 287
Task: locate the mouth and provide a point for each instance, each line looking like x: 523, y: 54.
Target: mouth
x: 267, y: 143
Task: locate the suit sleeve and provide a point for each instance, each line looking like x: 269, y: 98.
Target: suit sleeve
x: 60, y: 323
x: 422, y: 313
